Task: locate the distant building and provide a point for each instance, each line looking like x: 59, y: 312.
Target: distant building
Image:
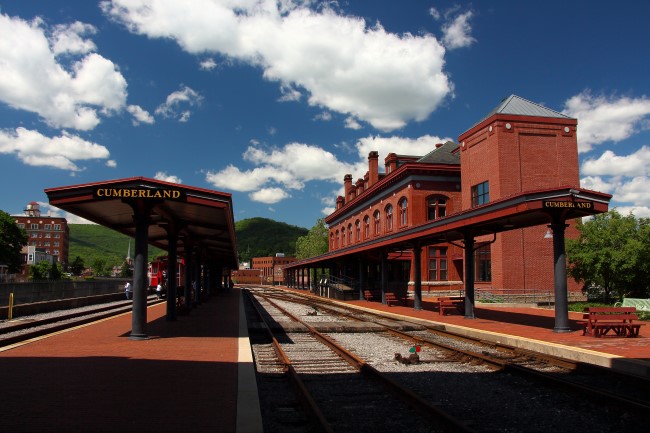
x: 49, y: 235
x: 271, y: 268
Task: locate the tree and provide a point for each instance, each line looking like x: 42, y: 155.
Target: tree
x: 314, y: 243
x: 100, y: 268
x: 12, y: 241
x: 77, y: 266
x: 611, y: 252
x: 126, y: 271
x: 40, y: 270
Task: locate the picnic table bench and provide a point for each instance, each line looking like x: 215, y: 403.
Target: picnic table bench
x: 598, y: 321
x: 640, y: 304
x: 449, y: 303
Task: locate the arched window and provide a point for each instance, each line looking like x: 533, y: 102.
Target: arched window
x: 338, y: 239
x: 403, y: 212
x: 357, y: 228
x: 377, y: 222
x: 436, y: 207
x: 350, y: 234
x: 389, y: 217
x: 366, y: 227
x: 331, y: 241
x: 342, y: 236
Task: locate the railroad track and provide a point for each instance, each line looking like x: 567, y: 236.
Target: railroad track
x: 21, y: 330
x: 565, y: 382
x: 343, y: 392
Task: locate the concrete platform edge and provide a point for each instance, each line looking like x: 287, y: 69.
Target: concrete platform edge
x: 249, y: 415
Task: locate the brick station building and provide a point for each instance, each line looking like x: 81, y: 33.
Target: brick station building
x: 490, y: 204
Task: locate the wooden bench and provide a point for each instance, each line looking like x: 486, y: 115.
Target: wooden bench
x: 391, y: 298
x: 368, y: 295
x: 598, y: 321
x: 449, y: 303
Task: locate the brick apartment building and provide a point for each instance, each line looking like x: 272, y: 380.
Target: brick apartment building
x: 48, y: 235
x: 519, y: 147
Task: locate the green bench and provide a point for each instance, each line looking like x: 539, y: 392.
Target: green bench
x: 641, y: 305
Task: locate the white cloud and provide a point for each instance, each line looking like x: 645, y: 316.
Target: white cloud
x: 140, y: 115
x: 161, y: 175
x: 342, y: 64
x: 67, y: 38
x: 637, y: 211
x: 351, y: 123
x: 269, y: 195
x: 309, y: 163
x: 35, y: 149
x: 610, y: 164
x: 434, y: 13
x: 171, y: 108
x: 207, y: 64
x: 325, y: 116
x: 602, y: 119
x: 289, y: 94
x: 457, y: 33
x: 111, y: 163
x: 32, y: 79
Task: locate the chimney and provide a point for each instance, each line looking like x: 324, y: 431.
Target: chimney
x: 339, y: 202
x: 390, y: 163
x: 359, y: 186
x: 373, y: 168
x: 347, y: 187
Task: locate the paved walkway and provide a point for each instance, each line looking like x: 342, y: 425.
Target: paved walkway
x: 184, y: 378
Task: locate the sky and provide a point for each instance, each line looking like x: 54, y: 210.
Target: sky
x: 276, y: 101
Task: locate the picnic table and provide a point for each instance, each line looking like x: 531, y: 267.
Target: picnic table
x: 621, y: 321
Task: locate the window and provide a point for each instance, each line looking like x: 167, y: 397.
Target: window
x: 33, y: 226
x: 389, y: 217
x: 48, y: 226
x: 57, y: 226
x: 338, y: 239
x: 357, y: 228
x: 480, y: 194
x: 438, y: 264
x: 483, y: 264
x: 366, y: 227
x: 403, y: 212
x: 21, y: 225
x: 331, y: 241
x: 377, y: 222
x: 436, y: 207
x: 350, y: 234
x: 343, y: 236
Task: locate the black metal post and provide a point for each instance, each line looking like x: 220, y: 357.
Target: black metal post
x: 469, y: 276
x: 140, y: 283
x: 417, y: 276
x: 559, y: 256
x: 384, y: 276
x: 172, y: 272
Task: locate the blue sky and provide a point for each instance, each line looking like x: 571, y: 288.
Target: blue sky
x: 275, y: 101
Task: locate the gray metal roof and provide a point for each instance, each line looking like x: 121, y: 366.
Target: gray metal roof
x: 442, y: 155
x: 519, y: 106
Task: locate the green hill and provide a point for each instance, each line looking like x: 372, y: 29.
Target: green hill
x: 256, y: 237
x: 262, y: 237
x: 91, y: 242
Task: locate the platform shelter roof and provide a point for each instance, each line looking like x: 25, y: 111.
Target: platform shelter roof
x: 200, y: 217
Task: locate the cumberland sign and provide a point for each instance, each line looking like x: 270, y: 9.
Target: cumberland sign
x: 144, y: 193
x: 568, y: 205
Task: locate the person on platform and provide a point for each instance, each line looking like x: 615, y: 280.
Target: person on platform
x: 128, y: 290
x: 159, y: 291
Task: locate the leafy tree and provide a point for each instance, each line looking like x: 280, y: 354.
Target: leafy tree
x: 12, y: 240
x: 40, y: 271
x: 77, y: 266
x: 55, y: 271
x: 314, y: 243
x: 125, y: 270
x: 100, y: 268
x: 611, y: 252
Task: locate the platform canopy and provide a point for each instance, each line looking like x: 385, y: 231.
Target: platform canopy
x: 198, y: 217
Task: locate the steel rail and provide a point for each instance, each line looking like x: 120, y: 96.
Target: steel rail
x: 425, y: 408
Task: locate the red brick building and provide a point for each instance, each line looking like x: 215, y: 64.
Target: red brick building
x: 518, y: 149
x: 49, y: 234
x: 270, y: 268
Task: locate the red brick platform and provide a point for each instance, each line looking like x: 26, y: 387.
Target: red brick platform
x: 184, y: 378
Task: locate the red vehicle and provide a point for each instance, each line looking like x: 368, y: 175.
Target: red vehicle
x: 158, y: 272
